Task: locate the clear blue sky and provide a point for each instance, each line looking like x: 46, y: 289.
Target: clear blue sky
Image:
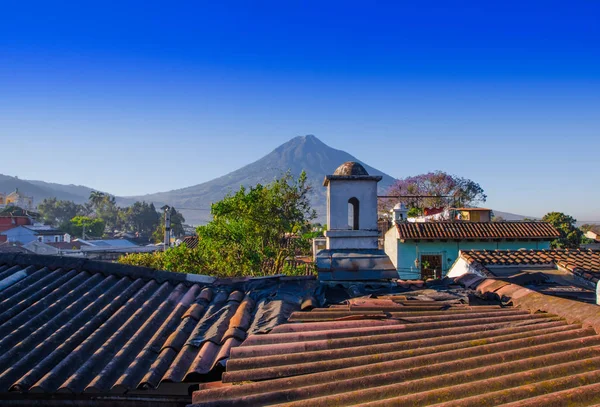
x: 506, y: 93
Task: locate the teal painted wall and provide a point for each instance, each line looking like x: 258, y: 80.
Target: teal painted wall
x: 410, y: 250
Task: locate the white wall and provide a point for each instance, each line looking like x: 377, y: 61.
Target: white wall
x: 338, y: 194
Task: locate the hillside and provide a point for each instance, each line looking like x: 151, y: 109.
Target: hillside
x: 40, y: 190
x: 301, y: 153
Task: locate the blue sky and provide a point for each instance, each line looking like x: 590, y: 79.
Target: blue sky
x: 504, y: 93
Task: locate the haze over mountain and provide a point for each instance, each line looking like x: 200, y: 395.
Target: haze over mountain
x: 40, y: 190
x: 301, y: 153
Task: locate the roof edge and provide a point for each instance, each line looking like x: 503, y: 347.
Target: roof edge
x: 72, y: 263
x: 572, y: 311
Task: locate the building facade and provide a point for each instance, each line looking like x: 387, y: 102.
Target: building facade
x: 428, y: 250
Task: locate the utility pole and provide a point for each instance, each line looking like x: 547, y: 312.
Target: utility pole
x: 167, y: 226
x: 83, y: 234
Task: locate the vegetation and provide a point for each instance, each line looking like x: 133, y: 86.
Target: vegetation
x: 570, y: 235
x: 444, y: 189
x: 252, y: 233
x: 91, y: 226
x: 101, y: 216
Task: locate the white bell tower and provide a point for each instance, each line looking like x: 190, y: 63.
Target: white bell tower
x: 352, y: 251
x: 351, y: 208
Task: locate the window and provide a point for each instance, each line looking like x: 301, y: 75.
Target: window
x: 353, y: 213
x: 431, y: 266
x: 56, y: 239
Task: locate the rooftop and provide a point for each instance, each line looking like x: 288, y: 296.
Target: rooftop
x: 475, y: 230
x: 428, y: 348
x: 79, y: 329
x: 584, y: 263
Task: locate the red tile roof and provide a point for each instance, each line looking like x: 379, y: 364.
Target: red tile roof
x: 78, y: 326
x: 394, y: 351
x: 476, y: 230
x: 585, y: 263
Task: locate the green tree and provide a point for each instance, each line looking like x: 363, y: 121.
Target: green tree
x: 180, y: 258
x: 58, y: 213
x: 94, y: 227
x: 252, y: 232
x: 141, y: 218
x: 105, y: 207
x: 570, y: 235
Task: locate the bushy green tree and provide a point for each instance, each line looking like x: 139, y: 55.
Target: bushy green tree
x: 94, y: 227
x: 570, y: 235
x: 59, y: 213
x: 141, y: 218
x: 179, y: 258
x: 252, y: 232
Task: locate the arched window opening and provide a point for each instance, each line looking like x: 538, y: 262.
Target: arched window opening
x: 353, y: 213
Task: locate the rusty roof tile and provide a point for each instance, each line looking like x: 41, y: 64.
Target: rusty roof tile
x: 475, y: 230
x: 455, y: 354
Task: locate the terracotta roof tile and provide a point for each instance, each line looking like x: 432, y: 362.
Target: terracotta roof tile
x: 584, y: 263
x: 91, y: 327
x: 475, y: 230
x: 410, y: 352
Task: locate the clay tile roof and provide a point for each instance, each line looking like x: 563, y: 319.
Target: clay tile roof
x: 191, y: 241
x: 400, y: 351
x: 476, y: 230
x: 76, y: 326
x: 585, y: 263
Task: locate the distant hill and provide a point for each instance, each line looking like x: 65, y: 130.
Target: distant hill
x: 40, y: 190
x: 301, y: 153
x: 512, y: 216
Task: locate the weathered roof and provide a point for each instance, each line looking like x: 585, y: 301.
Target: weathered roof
x: 350, y: 168
x: 584, y: 263
x: 191, y: 241
x: 475, y: 230
x: 79, y: 326
x: 394, y: 351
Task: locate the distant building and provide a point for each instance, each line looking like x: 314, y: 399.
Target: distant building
x: 473, y: 214
x: 428, y: 249
x: 28, y: 233
x: 16, y: 198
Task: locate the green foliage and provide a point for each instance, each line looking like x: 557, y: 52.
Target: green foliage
x: 105, y: 207
x: 180, y: 258
x: 252, y: 233
x: 570, y: 235
x: 254, y: 230
x: 177, y: 221
x: 94, y: 227
x: 59, y: 213
x: 414, y: 212
x: 141, y: 218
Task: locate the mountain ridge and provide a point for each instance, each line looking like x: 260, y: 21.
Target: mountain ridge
x: 300, y: 153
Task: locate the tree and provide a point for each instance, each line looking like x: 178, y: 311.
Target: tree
x: 570, y: 235
x: 141, y: 218
x: 252, y: 232
x: 105, y: 207
x: 177, y: 230
x: 444, y: 188
x: 93, y: 226
x: 59, y: 213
